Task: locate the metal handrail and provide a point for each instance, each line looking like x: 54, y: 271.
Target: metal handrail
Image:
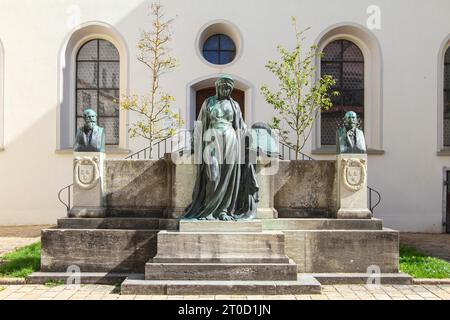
x: 372, y: 190
x: 68, y: 204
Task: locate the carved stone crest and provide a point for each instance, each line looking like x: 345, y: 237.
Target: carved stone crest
x: 354, y: 173
x: 86, y: 172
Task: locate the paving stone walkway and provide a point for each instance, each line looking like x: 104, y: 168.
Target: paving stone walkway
x: 437, y: 245
x: 336, y: 292
x: 13, y: 237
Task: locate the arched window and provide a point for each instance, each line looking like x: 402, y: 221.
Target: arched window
x: 219, y: 49
x: 97, y: 86
x: 446, y: 110
x: 343, y: 60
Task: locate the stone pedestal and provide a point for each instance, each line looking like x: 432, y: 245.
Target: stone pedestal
x: 207, y: 258
x: 88, y: 194
x: 266, y: 193
x: 351, y: 174
x: 181, y: 179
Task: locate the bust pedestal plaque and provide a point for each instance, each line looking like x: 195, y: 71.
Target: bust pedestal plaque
x: 352, y: 186
x: 88, y: 185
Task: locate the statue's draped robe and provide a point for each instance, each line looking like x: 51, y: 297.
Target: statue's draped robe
x: 234, y: 192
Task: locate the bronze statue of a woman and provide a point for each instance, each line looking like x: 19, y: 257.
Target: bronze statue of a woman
x: 225, y: 186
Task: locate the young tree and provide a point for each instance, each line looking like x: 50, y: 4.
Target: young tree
x: 299, y: 99
x: 158, y: 121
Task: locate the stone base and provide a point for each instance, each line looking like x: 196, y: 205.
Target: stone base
x: 344, y: 213
x: 303, y: 285
x: 220, y: 226
x: 343, y: 251
x: 221, y: 247
x: 221, y: 271
x: 97, y: 250
x: 87, y: 212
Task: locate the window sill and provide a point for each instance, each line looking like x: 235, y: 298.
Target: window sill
x: 109, y: 150
x: 332, y: 151
x: 444, y: 152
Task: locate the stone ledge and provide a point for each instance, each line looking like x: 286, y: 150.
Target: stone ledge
x: 12, y: 281
x: 221, y: 271
x: 359, y: 278
x: 220, y: 226
x: 322, y: 224
x: 85, y: 277
x: 303, y: 285
x: 431, y: 281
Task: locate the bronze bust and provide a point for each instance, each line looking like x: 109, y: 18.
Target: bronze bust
x: 90, y: 137
x: 350, y: 139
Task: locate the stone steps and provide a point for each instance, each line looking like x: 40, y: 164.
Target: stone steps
x: 322, y: 224
x: 135, y: 212
x: 130, y: 223
x: 221, y: 247
x: 221, y: 271
x: 137, y: 285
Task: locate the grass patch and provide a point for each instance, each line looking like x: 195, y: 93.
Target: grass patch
x: 22, y: 262
x: 2, y: 288
x: 420, y: 265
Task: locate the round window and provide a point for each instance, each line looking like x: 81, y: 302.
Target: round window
x: 219, y: 49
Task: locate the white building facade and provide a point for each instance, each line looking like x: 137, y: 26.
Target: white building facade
x: 57, y: 57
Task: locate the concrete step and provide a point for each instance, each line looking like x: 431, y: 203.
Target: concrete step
x: 220, y: 226
x: 225, y: 247
x: 137, y: 285
x: 135, y: 212
x: 303, y: 213
x: 361, y: 278
x: 322, y: 224
x: 221, y: 271
x: 84, y: 277
x: 118, y: 223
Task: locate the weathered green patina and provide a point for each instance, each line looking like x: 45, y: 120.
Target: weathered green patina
x: 350, y: 139
x: 225, y: 186
x: 90, y: 137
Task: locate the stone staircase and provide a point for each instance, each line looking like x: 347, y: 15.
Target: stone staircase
x: 215, y: 257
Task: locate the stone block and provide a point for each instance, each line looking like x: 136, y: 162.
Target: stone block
x: 136, y: 183
x: 221, y: 271
x: 304, y: 285
x: 322, y: 224
x: 220, y: 226
x: 226, y: 247
x: 97, y: 250
x: 88, y: 186
x: 345, y: 251
x: 305, y: 186
x: 351, y: 173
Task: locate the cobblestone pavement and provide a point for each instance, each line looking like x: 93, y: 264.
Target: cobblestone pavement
x: 337, y: 292
x: 434, y: 244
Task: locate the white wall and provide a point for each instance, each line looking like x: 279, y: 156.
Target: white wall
x: 408, y: 174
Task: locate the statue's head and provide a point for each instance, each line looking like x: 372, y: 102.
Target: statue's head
x: 350, y: 120
x: 224, y: 86
x: 90, y: 118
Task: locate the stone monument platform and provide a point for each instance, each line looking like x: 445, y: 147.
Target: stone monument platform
x: 209, y: 259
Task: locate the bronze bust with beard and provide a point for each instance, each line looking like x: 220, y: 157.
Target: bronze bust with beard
x: 90, y: 137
